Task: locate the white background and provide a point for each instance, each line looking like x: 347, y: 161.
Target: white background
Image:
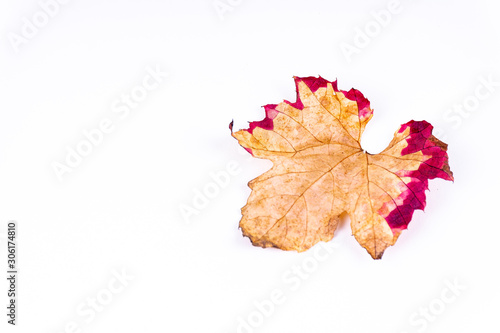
x: 120, y: 208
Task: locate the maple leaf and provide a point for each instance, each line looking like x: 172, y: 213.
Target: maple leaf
x: 320, y: 171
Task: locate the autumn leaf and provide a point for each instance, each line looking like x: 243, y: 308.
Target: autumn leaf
x: 320, y: 171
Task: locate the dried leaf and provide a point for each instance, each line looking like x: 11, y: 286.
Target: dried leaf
x: 320, y: 171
